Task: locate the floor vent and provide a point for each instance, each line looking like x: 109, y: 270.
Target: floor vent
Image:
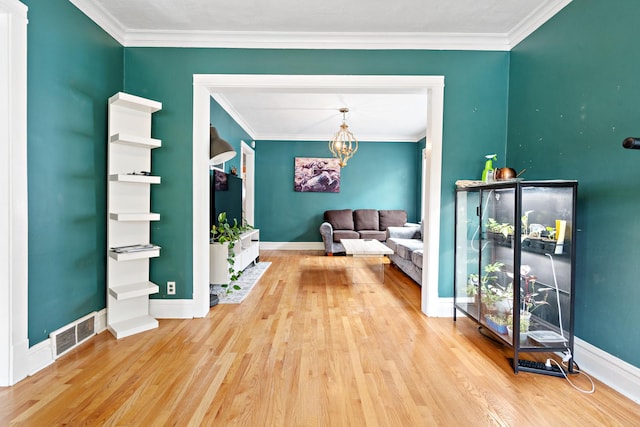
x: 69, y: 336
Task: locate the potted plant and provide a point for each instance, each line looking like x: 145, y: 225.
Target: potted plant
x: 495, y: 297
x: 530, y: 298
x: 224, y: 236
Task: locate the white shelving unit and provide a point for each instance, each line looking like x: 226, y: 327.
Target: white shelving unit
x: 247, y: 250
x: 128, y: 208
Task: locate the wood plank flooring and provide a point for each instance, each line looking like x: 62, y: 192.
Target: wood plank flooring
x: 306, y: 348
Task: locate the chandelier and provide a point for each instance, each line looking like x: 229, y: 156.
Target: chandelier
x: 343, y: 145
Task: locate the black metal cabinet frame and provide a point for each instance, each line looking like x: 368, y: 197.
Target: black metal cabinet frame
x: 514, y: 268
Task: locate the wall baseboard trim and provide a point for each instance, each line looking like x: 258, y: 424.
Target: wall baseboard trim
x: 616, y: 373
x: 292, y: 246
x: 171, y: 308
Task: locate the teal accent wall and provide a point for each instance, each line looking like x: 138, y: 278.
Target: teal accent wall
x: 73, y: 67
x: 230, y: 131
x: 475, y: 113
x: 574, y: 97
x: 381, y: 175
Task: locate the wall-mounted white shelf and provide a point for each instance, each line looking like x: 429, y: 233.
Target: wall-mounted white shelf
x: 133, y: 102
x: 133, y: 325
x: 135, y: 141
x: 133, y: 290
x: 129, y: 256
x: 137, y: 179
x: 129, y: 210
x: 135, y: 216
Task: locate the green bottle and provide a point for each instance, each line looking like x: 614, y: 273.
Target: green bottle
x: 487, y: 173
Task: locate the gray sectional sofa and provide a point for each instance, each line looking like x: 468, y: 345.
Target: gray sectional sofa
x: 388, y: 226
x: 357, y: 224
x: 407, y: 245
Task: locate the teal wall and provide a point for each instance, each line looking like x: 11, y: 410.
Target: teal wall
x: 475, y: 114
x: 381, y: 175
x: 575, y: 86
x: 230, y: 131
x: 72, y: 68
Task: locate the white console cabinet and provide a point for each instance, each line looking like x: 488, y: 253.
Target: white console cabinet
x: 246, y: 250
x: 129, y: 215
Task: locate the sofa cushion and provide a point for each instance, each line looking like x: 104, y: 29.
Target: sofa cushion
x: 404, y: 247
x: 344, y: 234
x: 416, y: 257
x: 366, y: 219
x: 373, y: 234
x: 404, y: 232
x: 340, y: 219
x: 395, y: 218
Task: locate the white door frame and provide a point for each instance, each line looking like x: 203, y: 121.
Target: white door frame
x: 14, y: 342
x: 204, y: 85
x: 247, y: 172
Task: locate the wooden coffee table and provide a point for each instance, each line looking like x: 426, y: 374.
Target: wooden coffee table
x: 368, y: 254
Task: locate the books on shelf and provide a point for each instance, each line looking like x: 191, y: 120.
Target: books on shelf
x: 134, y: 248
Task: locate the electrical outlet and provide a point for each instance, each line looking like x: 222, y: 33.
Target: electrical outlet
x: 171, y: 288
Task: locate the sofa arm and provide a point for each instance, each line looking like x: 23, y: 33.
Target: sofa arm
x: 326, y: 231
x: 410, y: 232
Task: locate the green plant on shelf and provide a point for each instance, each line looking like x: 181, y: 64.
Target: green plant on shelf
x: 225, y: 232
x: 503, y: 228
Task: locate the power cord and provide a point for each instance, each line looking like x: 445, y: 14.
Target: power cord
x: 565, y: 359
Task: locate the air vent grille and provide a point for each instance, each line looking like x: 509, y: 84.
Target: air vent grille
x: 67, y: 337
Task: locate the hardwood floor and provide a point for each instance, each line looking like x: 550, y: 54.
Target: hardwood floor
x: 306, y: 348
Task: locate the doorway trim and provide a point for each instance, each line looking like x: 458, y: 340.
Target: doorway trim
x: 204, y: 85
x: 248, y: 173
x: 14, y: 341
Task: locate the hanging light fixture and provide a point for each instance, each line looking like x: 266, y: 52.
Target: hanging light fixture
x: 343, y: 145
x: 220, y: 150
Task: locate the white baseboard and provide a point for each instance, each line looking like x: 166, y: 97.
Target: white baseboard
x: 101, y: 321
x: 171, y: 308
x: 617, y: 374
x: 40, y: 356
x: 292, y: 246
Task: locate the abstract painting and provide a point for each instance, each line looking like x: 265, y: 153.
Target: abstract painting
x: 319, y: 175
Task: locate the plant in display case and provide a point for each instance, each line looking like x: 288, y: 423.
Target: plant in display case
x: 495, y: 297
x: 503, y: 228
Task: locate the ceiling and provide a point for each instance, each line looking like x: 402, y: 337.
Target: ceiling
x: 328, y: 24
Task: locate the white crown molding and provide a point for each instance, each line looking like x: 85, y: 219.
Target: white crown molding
x: 102, y: 18
x: 307, y: 40
x: 326, y: 40
x: 535, y: 20
x: 315, y: 137
x: 237, y: 117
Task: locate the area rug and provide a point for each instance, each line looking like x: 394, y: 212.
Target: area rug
x: 247, y: 281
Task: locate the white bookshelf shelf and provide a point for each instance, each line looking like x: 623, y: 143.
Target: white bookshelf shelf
x: 136, y: 179
x: 135, y: 140
x: 126, y: 100
x: 133, y: 290
x: 131, y: 326
x: 130, y: 256
x: 135, y: 216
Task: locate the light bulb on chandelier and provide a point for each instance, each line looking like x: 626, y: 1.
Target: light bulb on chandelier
x: 343, y: 145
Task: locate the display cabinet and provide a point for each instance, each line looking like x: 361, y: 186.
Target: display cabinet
x: 515, y: 265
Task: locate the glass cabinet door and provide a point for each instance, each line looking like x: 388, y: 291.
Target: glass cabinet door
x: 498, y: 226
x: 546, y: 266
x: 467, y: 252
